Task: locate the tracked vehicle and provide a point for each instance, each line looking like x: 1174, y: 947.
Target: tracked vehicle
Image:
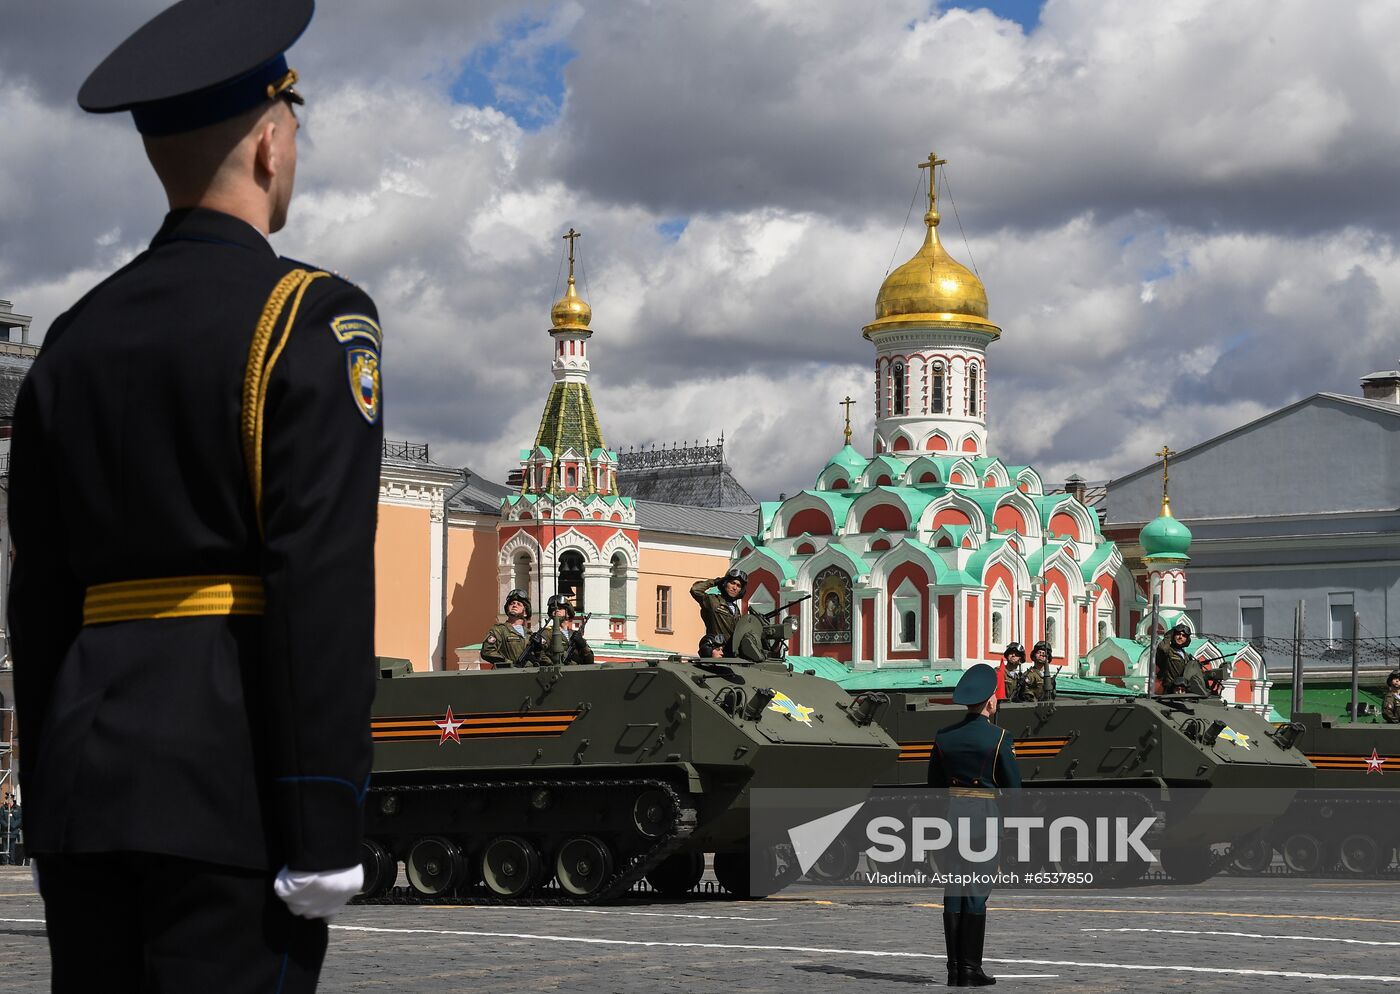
x: 1161, y: 750
x: 573, y: 783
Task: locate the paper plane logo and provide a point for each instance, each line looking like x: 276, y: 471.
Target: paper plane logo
x: 811, y: 839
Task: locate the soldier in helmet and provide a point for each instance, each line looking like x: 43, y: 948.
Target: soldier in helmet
x: 1390, y: 702
x: 1179, y: 671
x: 1039, y: 682
x: 509, y: 643
x: 1013, y: 678
x: 720, y: 612
x: 578, y: 650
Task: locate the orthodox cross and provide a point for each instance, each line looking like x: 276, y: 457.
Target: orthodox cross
x: 932, y: 166
x: 571, y: 237
x: 847, y: 405
x: 1166, y: 454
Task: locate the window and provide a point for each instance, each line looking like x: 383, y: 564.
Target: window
x: 906, y: 613
x: 571, y: 578
x: 1054, y: 617
x: 617, y: 586
x: 938, y: 388
x: 1341, y: 619
x: 899, y: 388
x: 1052, y: 634
x: 972, y: 384
x: 570, y: 478
x: 1104, y: 631
x: 663, y: 609
x: 522, y: 571
x: 998, y: 629
x: 1252, y: 619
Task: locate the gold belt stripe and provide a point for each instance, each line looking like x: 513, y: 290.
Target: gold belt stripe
x: 173, y: 597
x: 970, y: 792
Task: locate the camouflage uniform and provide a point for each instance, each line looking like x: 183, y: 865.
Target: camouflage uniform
x: 505, y: 646
x: 1034, y: 684
x: 1179, y: 670
x: 1390, y: 706
x: 718, y: 613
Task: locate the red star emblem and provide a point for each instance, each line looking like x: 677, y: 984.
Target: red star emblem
x: 1374, y: 764
x: 449, y: 726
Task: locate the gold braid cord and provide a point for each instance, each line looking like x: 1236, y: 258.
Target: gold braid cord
x: 258, y: 373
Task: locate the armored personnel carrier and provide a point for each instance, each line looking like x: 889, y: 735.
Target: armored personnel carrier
x: 1165, y: 748
x: 1349, y: 824
x: 576, y: 782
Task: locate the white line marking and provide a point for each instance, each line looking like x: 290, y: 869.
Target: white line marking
x: 656, y: 943
x: 643, y: 914
x: 1245, y: 935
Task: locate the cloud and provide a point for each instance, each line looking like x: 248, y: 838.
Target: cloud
x: 1184, y: 214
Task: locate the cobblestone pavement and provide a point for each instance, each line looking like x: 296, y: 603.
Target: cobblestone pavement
x: 1229, y: 934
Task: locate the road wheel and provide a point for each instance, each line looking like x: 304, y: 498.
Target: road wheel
x: 675, y: 875
x: 651, y: 813
x: 1360, y: 854
x: 583, y: 865
x: 1188, y: 864
x: 756, y: 872
x: 434, y: 866
x: 1252, y: 856
x: 837, y: 863
x: 381, y: 869
x: 511, y: 866
x: 1302, y: 852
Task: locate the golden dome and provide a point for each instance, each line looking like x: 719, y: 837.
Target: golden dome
x: 571, y: 312
x: 932, y: 286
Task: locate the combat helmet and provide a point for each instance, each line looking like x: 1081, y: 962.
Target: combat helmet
x: 1042, y: 644
x: 517, y: 595
x: 1394, y: 674
x: 557, y: 601
x: 1180, y: 628
x: 1015, y: 647
x: 735, y: 573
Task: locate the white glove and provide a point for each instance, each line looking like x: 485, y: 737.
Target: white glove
x: 310, y: 894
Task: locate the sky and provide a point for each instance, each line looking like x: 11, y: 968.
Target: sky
x: 1185, y: 213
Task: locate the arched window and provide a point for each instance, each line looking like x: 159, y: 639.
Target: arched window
x: 521, y: 571
x: 998, y: 628
x: 899, y: 388
x: 617, y: 586
x: 908, y: 631
x: 1052, y: 631
x: 571, y: 578
x: 938, y: 388
x: 972, y: 385
x: 570, y: 479
x: 1103, y: 630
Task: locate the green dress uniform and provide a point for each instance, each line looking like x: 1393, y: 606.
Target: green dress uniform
x: 973, y: 760
x: 506, y: 645
x: 1179, y: 671
x: 719, y: 614
x: 1390, y: 706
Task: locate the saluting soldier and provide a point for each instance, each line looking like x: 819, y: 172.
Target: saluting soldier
x: 1177, y: 668
x: 1390, y: 701
x: 509, y: 643
x: 1039, y: 682
x: 720, y: 612
x: 194, y: 486
x: 973, y: 759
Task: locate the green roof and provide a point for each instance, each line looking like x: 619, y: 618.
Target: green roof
x: 569, y: 422
x: 1165, y: 538
x: 894, y: 464
x: 848, y: 459
x: 860, y: 566
x: 766, y: 510
x: 1091, y: 565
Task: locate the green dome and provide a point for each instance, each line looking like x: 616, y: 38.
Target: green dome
x: 1165, y: 538
x: 850, y: 460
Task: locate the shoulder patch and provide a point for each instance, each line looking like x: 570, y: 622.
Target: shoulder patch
x: 362, y: 367
x: 357, y: 327
x: 490, y: 639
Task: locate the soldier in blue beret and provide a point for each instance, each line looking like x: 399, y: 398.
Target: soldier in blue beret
x: 973, y: 760
x: 194, y: 485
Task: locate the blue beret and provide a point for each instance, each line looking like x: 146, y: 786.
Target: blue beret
x: 198, y: 63
x: 976, y: 685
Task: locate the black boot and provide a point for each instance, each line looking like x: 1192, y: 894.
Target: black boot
x: 952, y: 922
x: 972, y: 932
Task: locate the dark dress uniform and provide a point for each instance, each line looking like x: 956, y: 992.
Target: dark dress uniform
x: 503, y: 645
x: 719, y: 614
x: 973, y: 760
